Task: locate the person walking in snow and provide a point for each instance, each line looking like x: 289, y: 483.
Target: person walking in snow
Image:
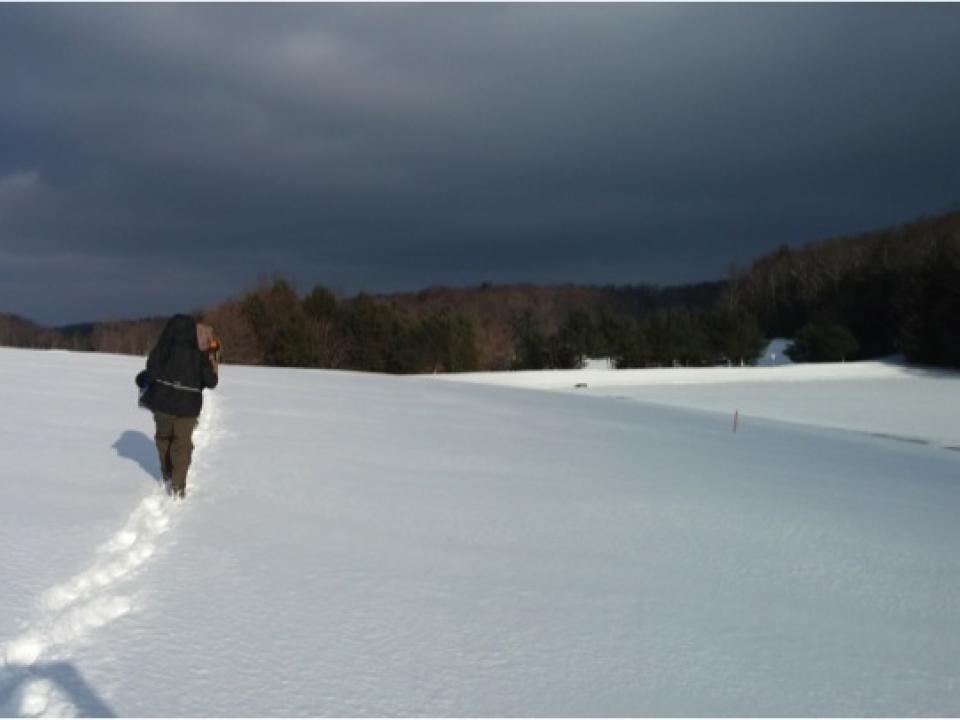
x: 177, y: 373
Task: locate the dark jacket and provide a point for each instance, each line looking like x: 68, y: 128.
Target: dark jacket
x: 177, y: 372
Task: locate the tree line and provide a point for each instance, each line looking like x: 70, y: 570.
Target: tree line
x: 273, y: 325
x: 670, y: 338
x: 490, y: 327
x: 876, y: 294
x: 485, y: 328
x: 894, y: 291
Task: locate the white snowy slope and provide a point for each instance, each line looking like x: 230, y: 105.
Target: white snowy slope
x: 366, y: 545
x: 888, y: 398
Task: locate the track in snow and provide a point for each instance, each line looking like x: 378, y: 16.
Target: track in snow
x: 35, y: 678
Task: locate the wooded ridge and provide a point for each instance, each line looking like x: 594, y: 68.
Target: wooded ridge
x: 846, y: 298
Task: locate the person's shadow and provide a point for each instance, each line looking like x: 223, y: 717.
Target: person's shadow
x: 140, y: 448
x: 28, y: 691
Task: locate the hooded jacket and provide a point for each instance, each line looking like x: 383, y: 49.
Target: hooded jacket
x: 177, y: 372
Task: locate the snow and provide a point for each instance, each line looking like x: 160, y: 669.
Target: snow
x: 775, y: 353
x: 357, y: 544
x: 603, y: 363
x: 882, y: 398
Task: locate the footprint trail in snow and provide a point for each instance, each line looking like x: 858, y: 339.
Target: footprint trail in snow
x: 69, y: 611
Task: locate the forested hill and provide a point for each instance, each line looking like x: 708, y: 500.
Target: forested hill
x: 18, y: 332
x: 118, y: 336
x: 875, y: 294
x: 893, y: 291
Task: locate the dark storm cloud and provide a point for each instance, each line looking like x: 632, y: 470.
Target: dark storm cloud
x: 154, y: 157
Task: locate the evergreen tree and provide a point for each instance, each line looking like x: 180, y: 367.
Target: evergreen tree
x: 680, y: 338
x: 531, y: 351
x: 448, y: 342
x: 573, y: 341
x: 612, y: 338
x: 279, y: 323
x: 735, y: 336
x: 630, y: 348
x: 929, y: 307
x: 372, y: 328
x: 823, y: 343
x: 321, y: 303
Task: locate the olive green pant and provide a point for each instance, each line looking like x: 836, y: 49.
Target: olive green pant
x: 175, y: 444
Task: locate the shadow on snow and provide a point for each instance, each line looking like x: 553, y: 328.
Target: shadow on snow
x: 140, y: 448
x: 28, y: 691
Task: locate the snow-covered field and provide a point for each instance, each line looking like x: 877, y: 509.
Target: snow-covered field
x: 884, y: 398
x: 366, y: 545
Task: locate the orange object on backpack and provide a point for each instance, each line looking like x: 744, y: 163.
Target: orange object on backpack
x: 209, y: 343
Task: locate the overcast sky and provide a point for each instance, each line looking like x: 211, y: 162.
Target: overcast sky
x: 156, y: 158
